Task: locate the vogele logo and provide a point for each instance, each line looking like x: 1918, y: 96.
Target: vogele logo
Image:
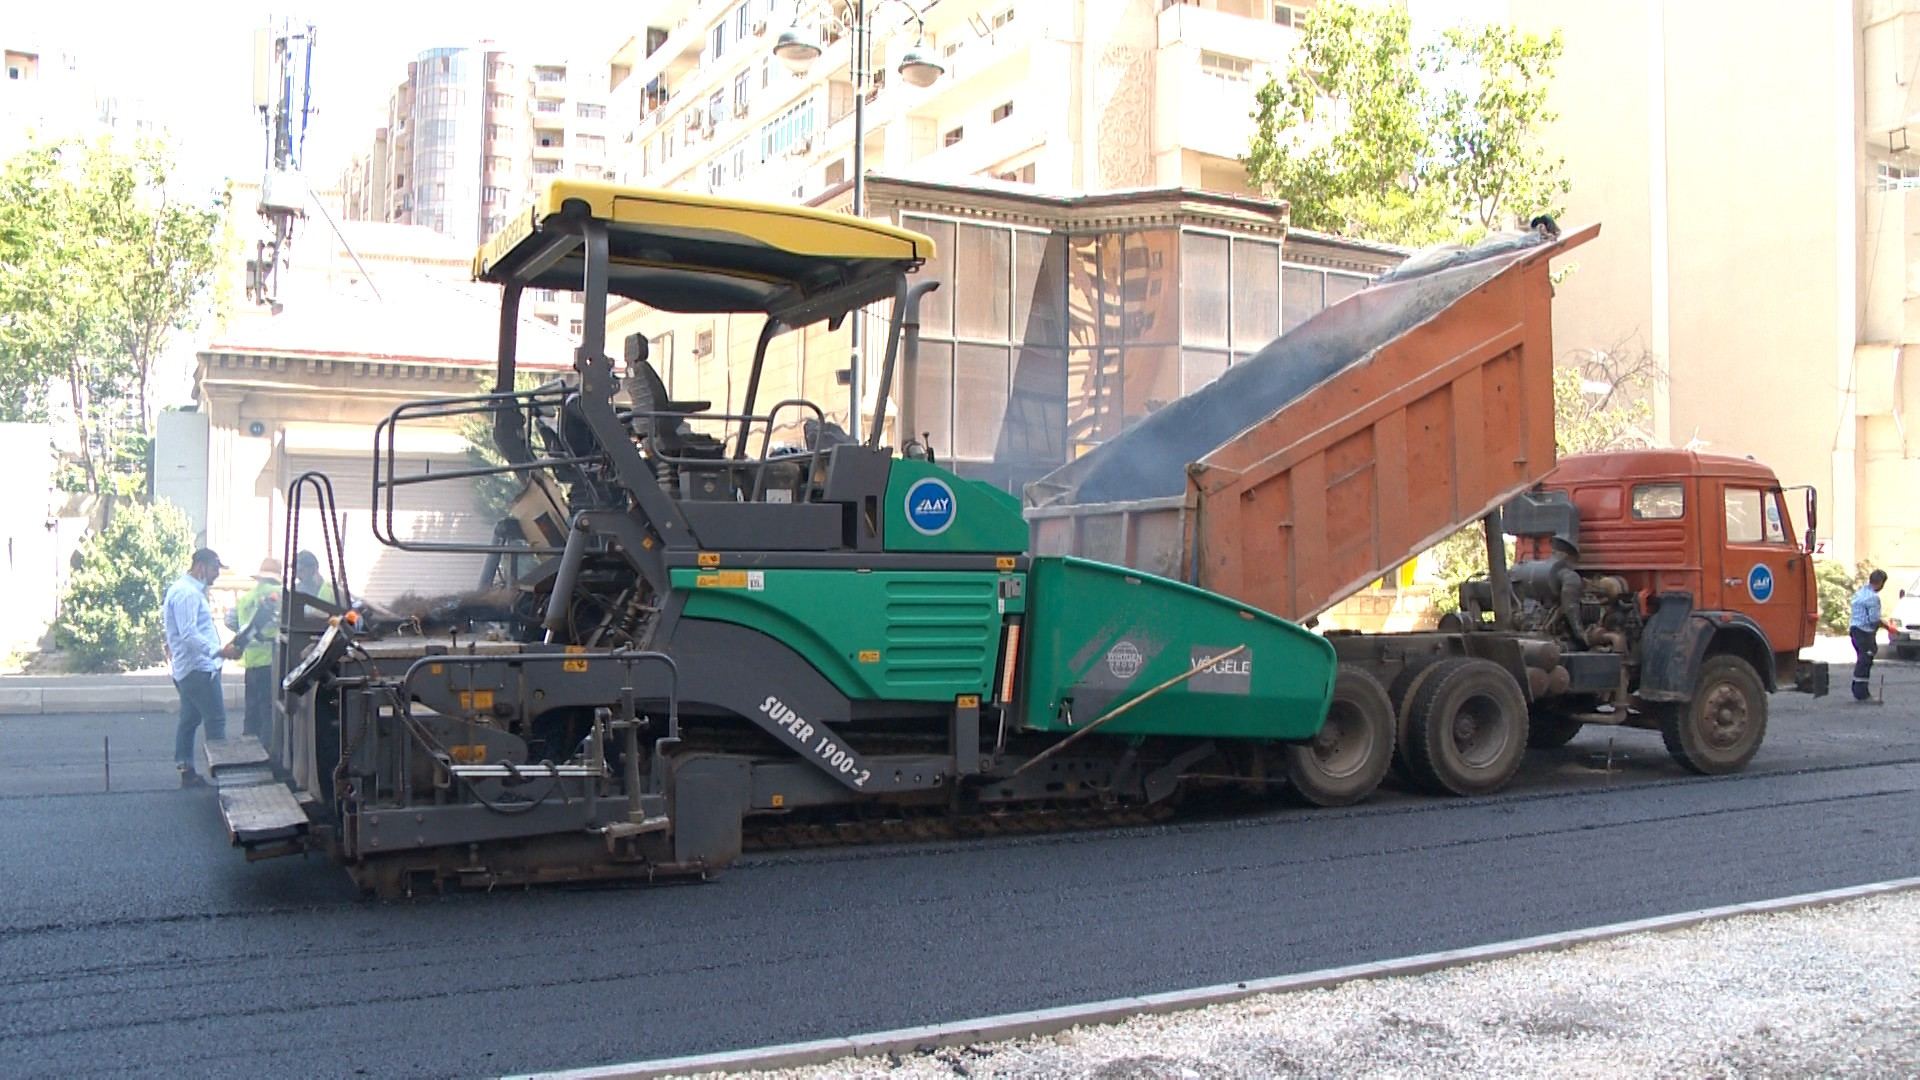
x: 1760, y: 582
x: 930, y: 507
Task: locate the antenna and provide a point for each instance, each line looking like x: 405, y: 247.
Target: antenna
x: 283, y: 96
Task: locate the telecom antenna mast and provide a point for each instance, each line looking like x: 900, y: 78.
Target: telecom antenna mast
x: 283, y: 98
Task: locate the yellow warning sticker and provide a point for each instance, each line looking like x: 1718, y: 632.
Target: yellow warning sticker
x: 573, y: 667
x: 967, y: 701
x: 779, y: 801
x: 721, y: 579
x: 869, y: 656
x: 1004, y: 562
x: 476, y: 700
x: 709, y: 559
x: 436, y: 669
x: 468, y: 753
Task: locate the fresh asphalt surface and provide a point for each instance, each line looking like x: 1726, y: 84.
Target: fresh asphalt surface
x: 132, y: 939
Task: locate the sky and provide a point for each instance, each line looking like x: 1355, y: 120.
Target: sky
x: 192, y: 65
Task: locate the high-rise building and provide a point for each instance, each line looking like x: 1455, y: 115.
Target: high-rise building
x: 470, y: 132
x: 51, y: 95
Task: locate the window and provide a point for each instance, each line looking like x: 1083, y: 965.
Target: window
x: 545, y: 106
x: 1896, y: 177
x: 1659, y: 502
x: 592, y: 144
x: 549, y: 75
x: 739, y: 157
x: 497, y: 101
x: 1002, y: 111
x: 716, y: 106
x: 717, y: 43
x: 766, y: 73
x: 1222, y: 66
x: 1302, y: 295
x: 836, y: 172
x: 742, y: 25
x: 1003, y: 18
x: 953, y: 136
x: 789, y: 130
x: 1745, y: 520
x: 546, y: 168
x: 716, y: 175
x: 1286, y: 15
x: 740, y: 82
x: 1776, y: 520
x: 586, y: 111
x: 573, y: 327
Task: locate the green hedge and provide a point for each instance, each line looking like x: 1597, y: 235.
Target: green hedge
x: 110, y: 617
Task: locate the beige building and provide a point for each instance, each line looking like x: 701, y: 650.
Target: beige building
x: 1755, y: 177
x: 1068, y: 95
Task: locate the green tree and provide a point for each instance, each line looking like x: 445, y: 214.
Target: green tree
x: 1369, y: 136
x: 110, y: 617
x: 100, y: 263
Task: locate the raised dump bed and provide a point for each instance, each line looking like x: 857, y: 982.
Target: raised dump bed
x: 1346, y: 447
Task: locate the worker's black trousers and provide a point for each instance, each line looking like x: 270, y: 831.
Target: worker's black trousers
x: 1864, y: 646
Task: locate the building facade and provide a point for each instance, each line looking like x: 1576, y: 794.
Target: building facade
x: 1068, y: 95
x: 1757, y: 238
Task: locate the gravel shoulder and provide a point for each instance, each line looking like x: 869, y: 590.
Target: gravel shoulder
x: 1830, y: 991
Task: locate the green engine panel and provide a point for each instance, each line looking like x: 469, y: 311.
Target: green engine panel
x: 931, y: 509
x: 1098, y: 636
x: 877, y: 635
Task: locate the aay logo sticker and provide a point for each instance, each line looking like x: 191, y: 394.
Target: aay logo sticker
x: 1124, y: 660
x: 930, y: 507
x: 1760, y: 583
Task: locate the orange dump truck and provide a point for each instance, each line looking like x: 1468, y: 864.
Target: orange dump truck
x: 1664, y: 590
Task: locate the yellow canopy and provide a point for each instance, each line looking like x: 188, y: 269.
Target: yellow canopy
x: 682, y: 252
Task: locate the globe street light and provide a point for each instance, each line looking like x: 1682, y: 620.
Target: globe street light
x: 798, y: 47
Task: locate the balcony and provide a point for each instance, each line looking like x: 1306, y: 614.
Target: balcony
x: 1195, y: 27
x: 1207, y: 69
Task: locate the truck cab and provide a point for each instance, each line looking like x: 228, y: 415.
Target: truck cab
x: 1713, y: 528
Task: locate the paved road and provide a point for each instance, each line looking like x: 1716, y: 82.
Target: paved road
x: 132, y: 940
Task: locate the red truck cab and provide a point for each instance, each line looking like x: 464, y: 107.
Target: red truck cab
x: 1714, y: 528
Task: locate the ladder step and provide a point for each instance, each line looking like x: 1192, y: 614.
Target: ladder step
x: 261, y: 813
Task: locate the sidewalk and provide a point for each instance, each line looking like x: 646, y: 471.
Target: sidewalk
x: 35, y: 695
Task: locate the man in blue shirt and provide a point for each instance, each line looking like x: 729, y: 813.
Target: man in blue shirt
x: 1864, y: 629
x: 194, y: 652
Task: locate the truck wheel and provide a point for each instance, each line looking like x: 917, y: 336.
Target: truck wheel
x: 1346, y: 761
x: 1548, y: 729
x: 1720, y: 730
x: 1406, y: 686
x: 1469, y: 729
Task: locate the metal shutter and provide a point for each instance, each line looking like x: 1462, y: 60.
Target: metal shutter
x: 441, y: 511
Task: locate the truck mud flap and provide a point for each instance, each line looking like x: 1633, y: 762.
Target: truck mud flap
x: 262, y: 815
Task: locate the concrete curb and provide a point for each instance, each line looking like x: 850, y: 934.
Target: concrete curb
x: 1047, y: 1021
x: 103, y: 698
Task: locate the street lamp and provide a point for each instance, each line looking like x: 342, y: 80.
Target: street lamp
x: 798, y: 47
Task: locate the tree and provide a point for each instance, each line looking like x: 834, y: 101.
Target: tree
x: 99, y: 263
x: 110, y: 617
x: 1368, y: 136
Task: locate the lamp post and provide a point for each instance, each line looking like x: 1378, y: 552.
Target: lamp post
x: 798, y: 48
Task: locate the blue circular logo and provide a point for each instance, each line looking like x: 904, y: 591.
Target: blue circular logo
x: 1760, y: 582
x: 930, y: 507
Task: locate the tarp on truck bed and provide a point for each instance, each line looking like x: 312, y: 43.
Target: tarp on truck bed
x: 1340, y: 451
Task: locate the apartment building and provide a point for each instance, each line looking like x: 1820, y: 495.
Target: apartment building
x: 1759, y: 239
x: 52, y: 94
x: 1067, y: 95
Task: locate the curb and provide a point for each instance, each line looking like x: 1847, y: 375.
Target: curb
x: 46, y: 700
x: 1047, y: 1021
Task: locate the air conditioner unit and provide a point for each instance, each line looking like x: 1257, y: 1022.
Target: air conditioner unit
x: 760, y: 28
x: 802, y: 145
x: 739, y: 108
x: 693, y: 120
x: 707, y: 132
x: 703, y: 343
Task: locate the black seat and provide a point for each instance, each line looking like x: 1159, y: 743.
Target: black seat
x: 661, y: 419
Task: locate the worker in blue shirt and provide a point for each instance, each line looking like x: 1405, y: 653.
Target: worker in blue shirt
x: 194, y: 653
x: 1864, y: 628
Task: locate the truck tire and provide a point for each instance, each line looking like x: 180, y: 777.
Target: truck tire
x: 1550, y: 729
x: 1347, y: 760
x: 1720, y: 730
x: 1469, y: 728
x: 1406, y: 686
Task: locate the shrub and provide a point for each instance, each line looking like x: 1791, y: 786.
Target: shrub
x: 110, y: 617
x: 1836, y: 585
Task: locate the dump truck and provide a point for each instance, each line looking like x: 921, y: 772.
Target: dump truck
x: 1655, y: 589
x: 689, y: 637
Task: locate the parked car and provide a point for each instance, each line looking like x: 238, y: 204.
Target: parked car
x: 1906, y: 615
